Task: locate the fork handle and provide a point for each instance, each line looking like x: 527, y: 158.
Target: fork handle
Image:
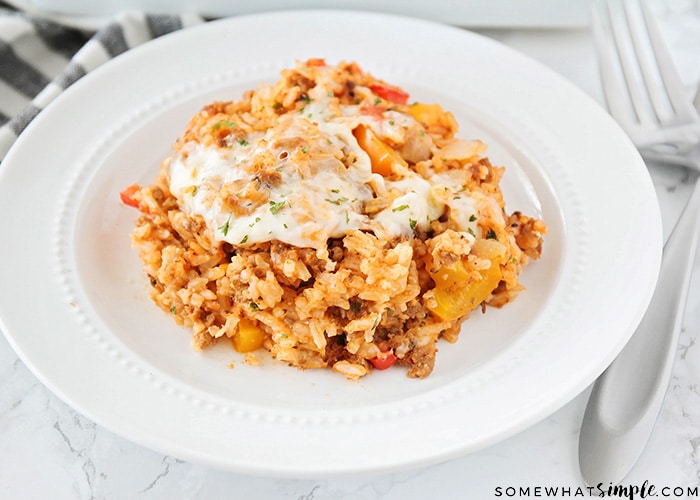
x: 626, y: 400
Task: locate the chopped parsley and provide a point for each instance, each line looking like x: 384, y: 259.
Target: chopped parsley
x: 337, y: 202
x: 243, y: 142
x: 243, y: 240
x: 254, y: 306
x: 226, y: 226
x: 472, y: 218
x: 173, y: 309
x: 223, y: 123
x: 412, y: 224
x: 276, y: 206
x: 400, y: 208
x: 471, y: 231
x: 491, y: 235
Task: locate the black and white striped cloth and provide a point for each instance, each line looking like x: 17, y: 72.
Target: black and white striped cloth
x: 39, y: 59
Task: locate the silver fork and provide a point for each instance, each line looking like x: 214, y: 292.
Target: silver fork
x: 641, y: 84
x: 645, y: 96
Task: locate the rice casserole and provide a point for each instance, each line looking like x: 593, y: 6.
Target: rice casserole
x: 328, y: 221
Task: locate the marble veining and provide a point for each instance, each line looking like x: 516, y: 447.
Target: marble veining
x: 47, y: 450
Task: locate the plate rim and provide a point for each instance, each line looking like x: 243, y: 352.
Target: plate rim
x: 165, y: 41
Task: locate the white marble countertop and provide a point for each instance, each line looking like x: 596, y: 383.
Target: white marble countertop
x: 47, y: 450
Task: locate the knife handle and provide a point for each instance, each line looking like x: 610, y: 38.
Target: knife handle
x: 626, y: 399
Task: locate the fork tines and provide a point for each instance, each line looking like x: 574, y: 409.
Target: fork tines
x: 633, y: 56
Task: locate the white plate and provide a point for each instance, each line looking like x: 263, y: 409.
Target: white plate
x: 74, y: 301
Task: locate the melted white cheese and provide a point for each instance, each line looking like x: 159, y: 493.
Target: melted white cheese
x: 317, y: 195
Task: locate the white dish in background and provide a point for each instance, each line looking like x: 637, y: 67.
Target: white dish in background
x: 74, y: 302
x: 473, y: 13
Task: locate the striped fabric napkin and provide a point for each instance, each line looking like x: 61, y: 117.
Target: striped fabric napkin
x: 39, y: 59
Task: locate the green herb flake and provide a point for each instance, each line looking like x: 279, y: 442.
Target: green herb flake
x: 471, y: 231
x: 276, y: 206
x: 223, y: 123
x: 277, y: 105
x: 254, y: 306
x: 377, y: 100
x: 472, y: 218
x: 400, y: 208
x: 225, y: 226
x: 412, y: 224
x: 173, y: 309
x: 491, y: 235
x: 338, y: 202
x: 243, y: 142
x: 391, y: 122
x: 243, y: 240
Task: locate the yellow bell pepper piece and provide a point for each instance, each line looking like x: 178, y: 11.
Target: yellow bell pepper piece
x: 427, y: 114
x: 382, y: 156
x: 459, y: 291
x: 249, y: 336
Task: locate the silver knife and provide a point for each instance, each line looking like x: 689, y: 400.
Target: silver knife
x: 626, y: 399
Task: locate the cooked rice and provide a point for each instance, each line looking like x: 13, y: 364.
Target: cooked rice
x: 350, y: 298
